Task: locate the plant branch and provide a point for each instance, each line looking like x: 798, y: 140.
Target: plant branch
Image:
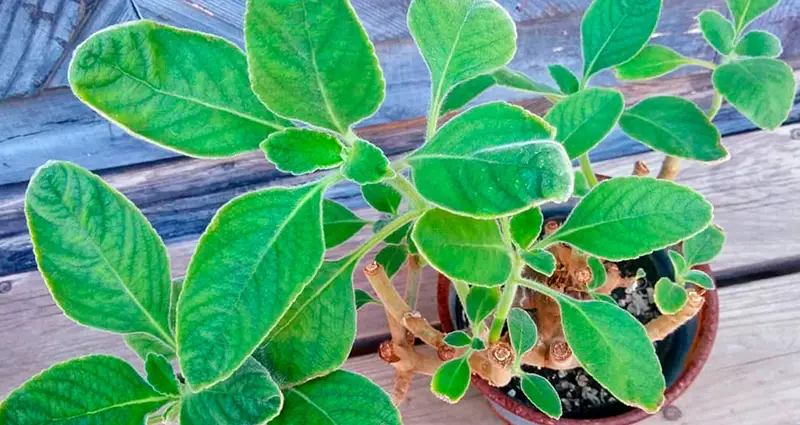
x: 669, y: 168
x: 412, y: 280
x: 386, y: 231
x: 586, y: 168
x: 404, y: 186
x: 503, y: 308
x: 433, y: 117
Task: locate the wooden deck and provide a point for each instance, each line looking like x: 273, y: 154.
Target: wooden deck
x: 753, y: 376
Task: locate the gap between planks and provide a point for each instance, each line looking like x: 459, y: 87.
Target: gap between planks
x: 754, y: 193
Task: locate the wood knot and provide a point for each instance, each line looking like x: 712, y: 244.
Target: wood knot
x: 583, y: 276
x: 372, y: 269
x: 502, y: 353
x: 560, y: 351
x: 386, y: 352
x: 641, y: 169
x: 551, y: 226
x: 695, y: 297
x: 5, y: 286
x: 446, y: 352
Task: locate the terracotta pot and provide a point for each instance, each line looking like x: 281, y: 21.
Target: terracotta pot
x: 513, y: 412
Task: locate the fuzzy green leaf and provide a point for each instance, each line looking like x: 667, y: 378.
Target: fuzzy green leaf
x: 312, y: 61
x: 762, y: 89
x: 614, y: 348
x: 255, y: 258
x: 627, y: 217
x: 598, y: 273
x: 526, y: 226
x: 604, y: 297
x: 183, y: 90
x: 160, y: 375
x: 339, y: 223
x: 453, y: 244
x: 540, y: 260
x: 704, y: 246
x: 522, y: 331
x: 301, y: 151
x: 87, y: 390
x: 451, y: 380
x: 746, y: 11
x: 518, y: 81
x: 700, y: 279
x: 614, y: 31
x: 478, y: 344
x: 759, y: 44
x: 366, y: 163
x: 327, y: 306
x: 392, y: 257
x: 541, y: 393
x: 567, y: 81
x: 249, y: 396
x: 492, y: 160
x: 382, y: 197
x: 674, y: 126
x: 363, y: 298
x: 102, y: 261
x: 584, y: 119
x: 144, y: 344
x: 466, y: 92
x: 653, y: 61
x: 458, y: 339
x: 395, y: 237
x: 670, y: 297
x: 678, y: 263
x: 174, y: 295
x: 452, y: 38
x: 718, y: 31
x: 481, y: 302
x: 339, y: 398
x: 581, y: 185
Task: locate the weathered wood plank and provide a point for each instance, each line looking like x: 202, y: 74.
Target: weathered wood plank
x: 37, y: 37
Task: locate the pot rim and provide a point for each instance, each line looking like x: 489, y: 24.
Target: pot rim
x: 708, y: 320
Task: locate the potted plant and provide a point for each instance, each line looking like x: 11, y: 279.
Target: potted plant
x: 231, y: 342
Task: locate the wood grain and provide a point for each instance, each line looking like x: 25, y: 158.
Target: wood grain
x: 38, y: 36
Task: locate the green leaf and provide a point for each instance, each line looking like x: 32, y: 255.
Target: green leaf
x: 519, y: 81
x: 256, y: 256
x: 627, y: 217
x: 598, y: 273
x: 581, y: 185
x: 87, y: 390
x: 454, y: 244
x: 249, y: 396
x: 478, y: 344
x: 540, y: 260
x: 339, y: 398
x: 522, y: 331
x: 481, y: 302
x: 363, y: 298
x: 490, y: 161
x: 761, y: 89
x: 452, y: 37
x: 325, y: 305
x: 301, y: 151
x: 382, y: 197
x: 160, y: 375
x: 718, y: 31
x: 395, y: 237
x: 102, y: 261
x: 312, y: 61
x: 678, y: 263
x: 144, y: 344
x: 670, y: 297
x: 614, y: 348
x: 176, y: 287
x: 458, y: 339
x: 451, y: 380
x: 392, y: 257
x: 584, y: 119
x: 604, y: 297
x: 366, y: 163
x: 465, y: 92
x: 541, y: 393
x: 746, y: 11
x: 614, y: 31
x: 339, y: 223
x: 526, y: 226
x: 759, y: 44
x: 567, y: 81
x: 704, y: 246
x: 674, y: 126
x: 183, y: 90
x: 700, y: 279
x: 653, y: 61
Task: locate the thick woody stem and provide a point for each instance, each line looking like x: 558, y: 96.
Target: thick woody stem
x: 669, y: 168
x: 662, y: 326
x: 412, y: 281
x: 641, y: 169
